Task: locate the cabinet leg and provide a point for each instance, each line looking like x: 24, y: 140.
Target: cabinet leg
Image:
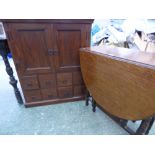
x: 13, y: 81
x: 93, y: 105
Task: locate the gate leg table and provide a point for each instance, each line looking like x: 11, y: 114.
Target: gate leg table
x: 121, y: 82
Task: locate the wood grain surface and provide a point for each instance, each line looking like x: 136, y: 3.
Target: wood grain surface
x: 46, y: 57
x: 121, y: 81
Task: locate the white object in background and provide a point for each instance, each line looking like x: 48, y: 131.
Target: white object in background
x: 129, y: 26
x: 145, y: 25
x: 118, y: 36
x: 99, y: 35
x: 2, y: 32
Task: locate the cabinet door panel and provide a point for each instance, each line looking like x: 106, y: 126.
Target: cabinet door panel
x: 34, y: 42
x: 67, y: 43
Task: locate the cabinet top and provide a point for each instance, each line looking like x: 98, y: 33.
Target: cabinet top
x: 80, y: 21
x: 137, y: 57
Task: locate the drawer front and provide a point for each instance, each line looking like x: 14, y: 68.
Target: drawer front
x: 33, y: 95
x: 47, y: 81
x: 64, y: 79
x: 79, y: 90
x: 49, y: 94
x: 65, y: 92
x: 77, y: 78
x: 30, y: 82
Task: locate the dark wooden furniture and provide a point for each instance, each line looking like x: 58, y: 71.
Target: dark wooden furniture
x: 46, y: 56
x: 4, y: 50
x: 122, y: 83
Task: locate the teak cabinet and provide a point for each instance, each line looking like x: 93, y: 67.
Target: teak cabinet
x: 46, y: 56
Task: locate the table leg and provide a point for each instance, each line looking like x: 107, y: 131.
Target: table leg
x: 87, y: 97
x: 13, y: 81
x: 93, y: 105
x: 145, y: 126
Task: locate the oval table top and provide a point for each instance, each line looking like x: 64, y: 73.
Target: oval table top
x: 122, y: 81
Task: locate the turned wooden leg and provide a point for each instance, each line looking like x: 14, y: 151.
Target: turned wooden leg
x: 87, y: 97
x: 13, y: 81
x: 93, y: 105
x: 123, y: 122
x: 145, y: 126
x: 151, y: 123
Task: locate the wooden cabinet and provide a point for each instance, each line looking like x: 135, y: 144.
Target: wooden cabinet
x: 46, y: 56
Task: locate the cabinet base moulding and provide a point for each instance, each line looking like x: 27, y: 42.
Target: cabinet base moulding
x: 55, y: 101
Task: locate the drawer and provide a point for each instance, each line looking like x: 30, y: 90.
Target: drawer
x: 77, y: 78
x: 47, y: 81
x: 64, y: 79
x: 65, y: 92
x: 49, y: 94
x: 33, y: 95
x: 30, y: 82
x: 79, y: 90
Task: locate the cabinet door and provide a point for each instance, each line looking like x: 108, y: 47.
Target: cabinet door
x: 68, y: 39
x: 34, y: 42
